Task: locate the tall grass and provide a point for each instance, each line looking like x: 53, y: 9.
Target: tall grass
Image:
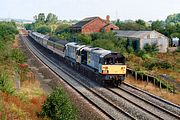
x: 6, y: 85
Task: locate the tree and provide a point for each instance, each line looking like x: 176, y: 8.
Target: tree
x: 158, y: 25
x: 62, y: 28
x: 51, y: 18
x: 131, y: 26
x: 41, y: 18
x: 175, y: 18
x: 44, y: 30
x: 141, y: 22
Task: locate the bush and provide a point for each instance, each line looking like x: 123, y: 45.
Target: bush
x: 153, y: 49
x: 6, y: 84
x: 86, y: 39
x: 157, y: 63
x: 130, y: 50
x: 58, y: 106
x: 103, y: 43
x: 143, y: 54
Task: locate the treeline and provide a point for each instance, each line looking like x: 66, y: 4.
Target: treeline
x: 170, y: 27
x: 51, y: 26
x: 45, y: 24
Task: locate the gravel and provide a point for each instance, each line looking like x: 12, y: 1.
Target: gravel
x: 148, y: 97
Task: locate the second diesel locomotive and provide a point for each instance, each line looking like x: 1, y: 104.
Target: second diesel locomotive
x: 96, y: 63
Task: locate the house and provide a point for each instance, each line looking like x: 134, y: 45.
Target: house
x: 93, y: 25
x: 138, y: 39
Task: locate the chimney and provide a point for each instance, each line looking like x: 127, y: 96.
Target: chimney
x: 107, y: 19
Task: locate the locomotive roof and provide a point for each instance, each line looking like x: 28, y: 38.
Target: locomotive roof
x: 89, y: 48
x: 101, y: 52
x: 74, y: 44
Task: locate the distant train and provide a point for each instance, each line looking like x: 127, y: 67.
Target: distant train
x: 96, y: 63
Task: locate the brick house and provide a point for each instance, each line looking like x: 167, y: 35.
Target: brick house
x: 93, y: 25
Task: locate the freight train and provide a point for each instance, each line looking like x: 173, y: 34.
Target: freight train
x: 99, y: 64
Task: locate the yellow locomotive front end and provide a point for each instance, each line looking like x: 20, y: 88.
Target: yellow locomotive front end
x: 113, y: 68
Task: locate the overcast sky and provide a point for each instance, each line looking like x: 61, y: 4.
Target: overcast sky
x: 79, y: 9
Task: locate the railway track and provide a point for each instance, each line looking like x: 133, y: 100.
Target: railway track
x: 146, y: 105
x: 152, y: 99
x: 111, y: 101
x: 108, y: 108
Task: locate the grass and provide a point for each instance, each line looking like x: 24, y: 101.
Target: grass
x: 25, y: 104
x: 22, y: 104
x: 170, y: 59
x: 154, y: 89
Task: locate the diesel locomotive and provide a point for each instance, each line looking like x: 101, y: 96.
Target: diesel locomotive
x: 96, y: 63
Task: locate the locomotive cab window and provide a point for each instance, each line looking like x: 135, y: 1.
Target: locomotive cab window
x: 109, y: 60
x: 119, y: 61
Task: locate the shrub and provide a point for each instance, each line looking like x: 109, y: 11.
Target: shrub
x: 157, y: 63
x: 58, y: 106
x: 130, y: 50
x: 6, y: 84
x: 103, y: 43
x: 143, y: 54
x: 153, y: 49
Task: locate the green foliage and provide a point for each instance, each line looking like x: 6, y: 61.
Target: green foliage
x: 143, y: 54
x: 28, y: 26
x: 141, y: 22
x: 103, y: 43
x: 51, y: 18
x: 153, y: 49
x: 86, y: 39
x: 6, y: 84
x: 58, y: 106
x: 8, y: 31
x: 120, y: 44
x: 158, y: 25
x: 130, y: 50
x: 173, y: 18
x: 62, y: 28
x: 41, y: 18
x: 18, y: 56
x: 175, y: 35
x: 150, y: 64
x: 44, y: 30
x: 138, y: 25
x: 103, y: 35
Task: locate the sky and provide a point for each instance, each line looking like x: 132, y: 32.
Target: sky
x: 79, y: 9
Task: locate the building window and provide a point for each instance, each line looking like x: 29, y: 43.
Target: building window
x: 112, y: 29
